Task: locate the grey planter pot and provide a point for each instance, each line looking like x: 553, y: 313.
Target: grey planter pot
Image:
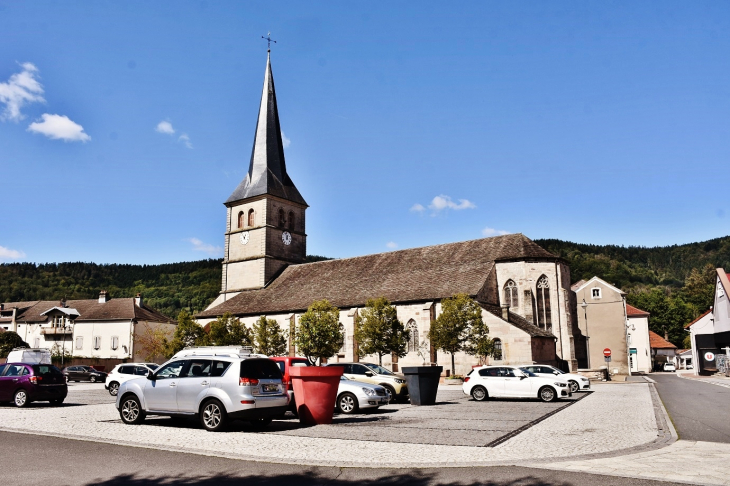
x: 423, y: 383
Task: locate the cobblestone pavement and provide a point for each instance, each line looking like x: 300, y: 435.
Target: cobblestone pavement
x: 608, y: 420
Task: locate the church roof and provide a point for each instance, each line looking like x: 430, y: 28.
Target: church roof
x: 267, y: 170
x: 89, y: 310
x: 417, y: 274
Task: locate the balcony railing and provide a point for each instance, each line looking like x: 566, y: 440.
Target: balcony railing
x: 56, y: 330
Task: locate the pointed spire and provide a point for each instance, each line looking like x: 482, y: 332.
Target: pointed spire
x: 267, y: 170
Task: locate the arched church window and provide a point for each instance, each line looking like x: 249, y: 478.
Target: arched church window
x: 510, y: 293
x: 250, y: 217
x: 544, y: 314
x: 497, y: 349
x: 240, y: 219
x: 343, y: 333
x: 412, y: 328
x: 282, y: 218
x: 290, y: 221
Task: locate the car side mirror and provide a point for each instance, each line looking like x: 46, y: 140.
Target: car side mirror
x: 368, y: 373
x: 151, y: 376
x: 556, y: 373
x: 522, y: 377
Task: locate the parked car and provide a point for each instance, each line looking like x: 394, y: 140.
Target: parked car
x: 284, y: 363
x: 84, y: 373
x: 124, y: 372
x: 353, y: 396
x: 29, y: 356
x: 215, y: 383
x: 575, y: 382
x: 394, y: 383
x: 669, y: 367
x: 510, y: 381
x: 22, y: 383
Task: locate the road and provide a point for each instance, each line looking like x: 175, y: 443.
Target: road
x: 39, y: 460
x: 699, y: 411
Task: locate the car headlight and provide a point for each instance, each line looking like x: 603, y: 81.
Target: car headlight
x: 558, y: 383
x: 399, y: 381
x: 369, y: 391
x: 584, y: 379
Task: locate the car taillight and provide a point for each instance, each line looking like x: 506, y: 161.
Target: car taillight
x: 35, y: 379
x: 248, y: 381
x: 466, y: 378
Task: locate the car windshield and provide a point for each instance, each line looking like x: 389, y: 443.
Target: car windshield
x: 379, y: 369
x: 560, y: 372
x: 528, y: 373
x: 153, y: 367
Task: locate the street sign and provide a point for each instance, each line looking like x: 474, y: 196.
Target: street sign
x: 607, y: 352
x: 607, y: 358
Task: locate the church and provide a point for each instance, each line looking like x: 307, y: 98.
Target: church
x: 524, y: 290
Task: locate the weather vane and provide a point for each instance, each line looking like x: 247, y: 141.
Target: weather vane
x: 269, y: 40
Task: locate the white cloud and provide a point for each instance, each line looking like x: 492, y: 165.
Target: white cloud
x: 185, y: 140
x: 59, y: 127
x: 285, y: 141
x: 494, y: 232
x: 211, y: 250
x: 444, y: 202
x: 165, y: 127
x: 22, y: 88
x: 417, y: 208
x: 8, y: 254
x: 392, y: 245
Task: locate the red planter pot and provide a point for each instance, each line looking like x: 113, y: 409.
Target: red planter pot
x: 315, y: 390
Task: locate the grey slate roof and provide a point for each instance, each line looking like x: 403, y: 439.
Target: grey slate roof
x: 89, y: 310
x: 267, y: 170
x: 417, y: 274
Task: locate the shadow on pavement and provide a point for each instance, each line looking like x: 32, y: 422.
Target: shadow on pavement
x: 307, y: 478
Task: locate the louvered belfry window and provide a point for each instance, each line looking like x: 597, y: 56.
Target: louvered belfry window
x: 544, y: 313
x: 412, y: 336
x: 510, y: 293
x: 250, y: 217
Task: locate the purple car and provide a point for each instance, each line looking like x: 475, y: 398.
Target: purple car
x: 22, y: 383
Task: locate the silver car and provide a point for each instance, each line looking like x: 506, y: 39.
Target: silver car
x: 216, y: 385
x: 353, y: 396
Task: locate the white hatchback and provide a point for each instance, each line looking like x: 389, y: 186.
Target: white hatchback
x: 576, y: 382
x: 512, y: 382
x: 124, y: 372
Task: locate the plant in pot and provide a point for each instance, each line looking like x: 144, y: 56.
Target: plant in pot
x: 317, y: 337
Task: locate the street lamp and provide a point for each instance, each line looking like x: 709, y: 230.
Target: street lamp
x: 584, y: 305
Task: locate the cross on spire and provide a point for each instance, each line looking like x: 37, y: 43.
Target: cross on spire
x: 269, y: 40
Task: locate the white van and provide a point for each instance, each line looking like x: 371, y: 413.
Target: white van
x: 30, y: 356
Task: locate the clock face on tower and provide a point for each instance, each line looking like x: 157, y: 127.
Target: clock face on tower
x: 286, y: 237
x: 244, y: 237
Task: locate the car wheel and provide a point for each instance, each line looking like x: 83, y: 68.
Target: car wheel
x: 547, y: 394
x: 479, y: 393
x: 390, y: 393
x: 213, y: 416
x: 574, y: 387
x: 113, y: 388
x: 56, y: 402
x: 20, y: 399
x: 347, y: 403
x: 260, y: 422
x: 92, y: 379
x: 130, y: 410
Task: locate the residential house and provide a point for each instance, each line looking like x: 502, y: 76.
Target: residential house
x: 662, y: 351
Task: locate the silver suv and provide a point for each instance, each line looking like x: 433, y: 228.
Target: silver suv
x: 216, y: 384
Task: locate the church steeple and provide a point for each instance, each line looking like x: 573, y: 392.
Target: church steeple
x: 267, y: 169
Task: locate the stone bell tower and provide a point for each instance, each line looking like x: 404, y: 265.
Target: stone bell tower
x: 265, y: 218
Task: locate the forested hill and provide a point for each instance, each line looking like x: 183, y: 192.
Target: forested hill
x: 637, y: 267
x: 169, y: 288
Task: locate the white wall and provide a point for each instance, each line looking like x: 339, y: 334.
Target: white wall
x: 638, y: 335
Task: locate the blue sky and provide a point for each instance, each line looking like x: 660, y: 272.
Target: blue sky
x: 410, y: 124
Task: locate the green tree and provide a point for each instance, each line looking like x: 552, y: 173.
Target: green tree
x: 187, y: 333
x: 380, y: 332
x: 10, y: 340
x: 228, y: 330
x: 269, y: 337
x: 699, y: 288
x: 451, y: 329
x: 478, y: 342
x: 152, y: 343
x: 318, y: 335
x: 669, y: 313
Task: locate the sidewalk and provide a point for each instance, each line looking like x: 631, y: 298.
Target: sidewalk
x: 715, y: 380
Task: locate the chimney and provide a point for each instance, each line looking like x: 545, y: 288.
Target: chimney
x: 138, y: 300
x: 103, y: 297
x: 62, y: 303
x: 2, y: 306
x: 505, y: 312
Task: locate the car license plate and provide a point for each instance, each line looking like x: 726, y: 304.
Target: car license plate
x: 270, y: 388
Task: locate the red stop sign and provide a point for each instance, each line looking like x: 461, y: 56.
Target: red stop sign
x: 607, y: 352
